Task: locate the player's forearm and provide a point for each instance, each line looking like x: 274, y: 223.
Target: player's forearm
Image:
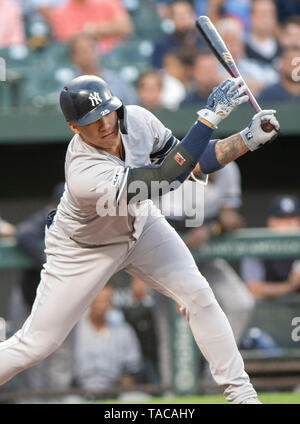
x: 230, y: 149
x: 219, y: 153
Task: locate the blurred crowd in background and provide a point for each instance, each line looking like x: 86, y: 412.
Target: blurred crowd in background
x: 149, y: 51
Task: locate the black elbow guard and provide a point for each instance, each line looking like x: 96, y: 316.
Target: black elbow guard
x: 177, y: 165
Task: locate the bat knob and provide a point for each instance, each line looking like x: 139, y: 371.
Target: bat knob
x: 266, y: 126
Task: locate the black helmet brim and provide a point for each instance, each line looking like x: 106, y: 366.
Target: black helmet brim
x: 99, y: 111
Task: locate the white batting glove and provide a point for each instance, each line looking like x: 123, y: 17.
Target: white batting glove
x: 254, y: 136
x: 223, y: 99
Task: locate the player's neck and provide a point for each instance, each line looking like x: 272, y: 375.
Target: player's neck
x: 118, y: 150
x: 122, y: 151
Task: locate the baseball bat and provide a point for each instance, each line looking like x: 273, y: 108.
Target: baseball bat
x: 220, y: 50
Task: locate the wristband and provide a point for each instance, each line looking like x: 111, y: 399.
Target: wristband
x: 248, y: 139
x: 210, y: 116
x: 208, y: 161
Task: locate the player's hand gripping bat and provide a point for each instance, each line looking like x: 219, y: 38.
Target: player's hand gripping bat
x: 220, y: 50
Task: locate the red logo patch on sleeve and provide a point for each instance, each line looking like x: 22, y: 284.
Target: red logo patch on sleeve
x: 179, y: 159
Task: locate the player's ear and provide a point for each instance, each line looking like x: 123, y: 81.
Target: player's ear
x: 73, y: 127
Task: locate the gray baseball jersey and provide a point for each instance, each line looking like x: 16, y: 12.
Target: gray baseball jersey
x: 84, y: 250
x: 90, y: 171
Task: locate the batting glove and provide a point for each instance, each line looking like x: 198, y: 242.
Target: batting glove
x: 254, y: 136
x: 223, y: 99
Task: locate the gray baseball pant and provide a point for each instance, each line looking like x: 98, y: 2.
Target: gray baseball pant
x: 73, y: 276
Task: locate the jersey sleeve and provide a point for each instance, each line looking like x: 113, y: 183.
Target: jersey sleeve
x: 163, y: 138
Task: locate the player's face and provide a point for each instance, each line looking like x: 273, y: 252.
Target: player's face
x: 103, y: 134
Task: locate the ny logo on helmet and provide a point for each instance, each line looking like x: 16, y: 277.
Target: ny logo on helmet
x: 95, y: 99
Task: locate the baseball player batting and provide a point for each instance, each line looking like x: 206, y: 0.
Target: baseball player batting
x: 113, y: 150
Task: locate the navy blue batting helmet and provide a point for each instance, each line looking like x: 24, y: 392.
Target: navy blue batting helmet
x: 88, y: 98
